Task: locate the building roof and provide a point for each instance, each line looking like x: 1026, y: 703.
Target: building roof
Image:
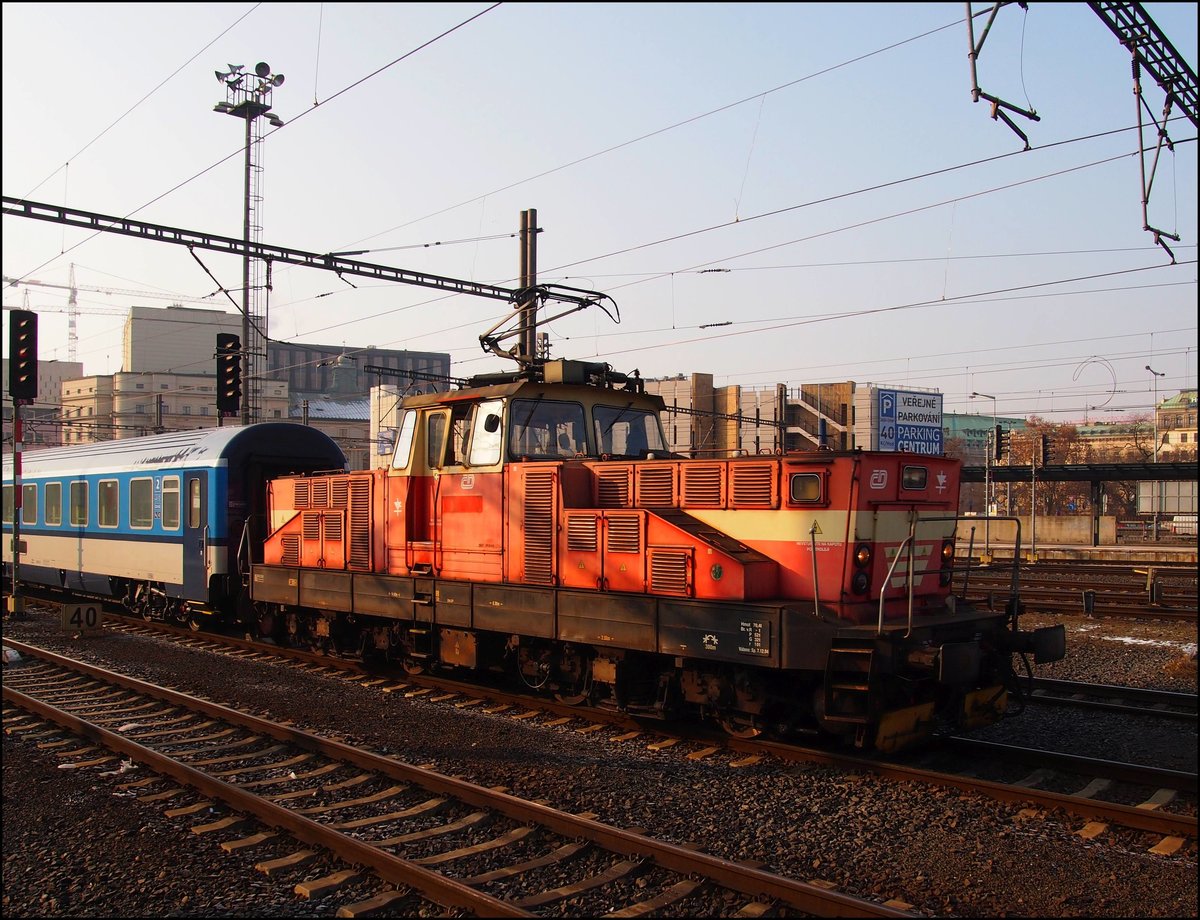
x: 1185, y: 399
x: 352, y: 409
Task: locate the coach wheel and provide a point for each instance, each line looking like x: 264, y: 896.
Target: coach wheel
x: 195, y: 622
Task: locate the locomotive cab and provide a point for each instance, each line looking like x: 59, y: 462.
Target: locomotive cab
x: 565, y: 415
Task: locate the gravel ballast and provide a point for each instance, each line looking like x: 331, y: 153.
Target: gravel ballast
x: 74, y: 847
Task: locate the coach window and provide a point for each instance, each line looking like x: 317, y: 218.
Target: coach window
x: 194, y: 507
x: 108, y: 503
x: 79, y: 504
x: 8, y: 504
x: 53, y: 510
x: 29, y: 503
x: 141, y: 503
x: 170, y: 503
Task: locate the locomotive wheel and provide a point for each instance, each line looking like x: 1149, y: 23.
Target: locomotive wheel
x: 578, y: 693
x: 573, y: 699
x: 195, y: 624
x: 739, y: 726
x: 266, y: 625
x: 412, y: 666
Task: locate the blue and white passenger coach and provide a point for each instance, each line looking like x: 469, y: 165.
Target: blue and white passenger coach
x: 166, y: 524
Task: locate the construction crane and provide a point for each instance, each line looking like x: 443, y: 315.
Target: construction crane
x: 116, y: 292
x: 73, y: 310
x: 72, y: 316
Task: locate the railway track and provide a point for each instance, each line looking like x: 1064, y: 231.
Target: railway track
x: 1133, y: 700
x: 378, y: 814
x: 1091, y: 775
x: 1079, y: 592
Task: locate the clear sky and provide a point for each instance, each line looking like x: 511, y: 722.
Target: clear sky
x: 770, y: 192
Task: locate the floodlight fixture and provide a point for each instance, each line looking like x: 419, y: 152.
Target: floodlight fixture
x: 262, y: 68
x: 277, y: 80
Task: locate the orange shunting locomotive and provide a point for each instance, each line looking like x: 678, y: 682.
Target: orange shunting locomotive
x: 537, y: 526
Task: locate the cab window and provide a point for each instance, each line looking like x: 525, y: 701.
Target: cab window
x: 627, y: 432
x: 435, y: 435
x: 404, y: 440
x: 460, y: 428
x: 487, y: 433
x: 805, y: 488
x: 546, y: 429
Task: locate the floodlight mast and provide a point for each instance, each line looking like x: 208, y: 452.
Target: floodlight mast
x: 249, y: 97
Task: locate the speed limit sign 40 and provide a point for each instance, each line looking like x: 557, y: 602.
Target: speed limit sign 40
x: 85, y: 619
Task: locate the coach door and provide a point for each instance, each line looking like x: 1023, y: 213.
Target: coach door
x: 195, y: 535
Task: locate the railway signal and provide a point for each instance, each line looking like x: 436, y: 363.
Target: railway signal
x: 1047, y: 449
x: 1001, y: 440
x: 229, y: 373
x: 22, y: 358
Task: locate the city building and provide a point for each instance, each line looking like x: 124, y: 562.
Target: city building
x: 40, y: 422
x: 168, y: 381
x: 130, y: 405
x: 1175, y: 421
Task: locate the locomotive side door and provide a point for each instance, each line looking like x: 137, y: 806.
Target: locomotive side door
x: 195, y: 534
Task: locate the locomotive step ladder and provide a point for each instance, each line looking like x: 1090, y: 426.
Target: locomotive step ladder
x: 848, y: 679
x: 422, y: 643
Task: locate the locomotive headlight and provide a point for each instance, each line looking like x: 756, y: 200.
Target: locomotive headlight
x: 862, y: 555
x: 947, y: 573
x: 861, y: 581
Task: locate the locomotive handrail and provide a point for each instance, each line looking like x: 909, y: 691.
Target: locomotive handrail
x: 812, y: 533
x: 1014, y: 590
x: 970, y: 552
x: 912, y: 533
x: 892, y: 568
